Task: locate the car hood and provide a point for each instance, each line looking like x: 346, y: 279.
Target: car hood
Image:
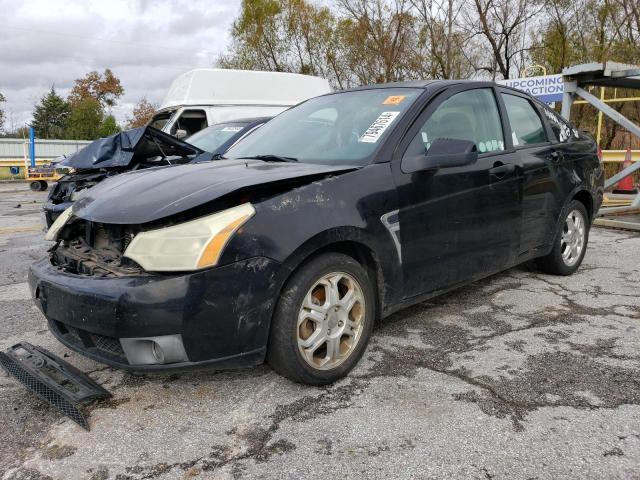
x: 155, y: 193
x: 126, y: 148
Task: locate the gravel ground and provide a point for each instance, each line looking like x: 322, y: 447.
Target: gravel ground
x: 519, y: 376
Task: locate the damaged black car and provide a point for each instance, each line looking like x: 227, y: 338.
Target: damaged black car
x: 338, y: 212
x: 133, y: 149
x: 140, y: 148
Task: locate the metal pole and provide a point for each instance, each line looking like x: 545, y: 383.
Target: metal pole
x: 568, y: 97
x: 599, y: 132
x: 32, y: 146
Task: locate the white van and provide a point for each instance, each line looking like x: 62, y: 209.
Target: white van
x: 204, y: 96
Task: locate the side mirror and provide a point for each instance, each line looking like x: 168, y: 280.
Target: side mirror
x: 180, y: 134
x: 443, y: 153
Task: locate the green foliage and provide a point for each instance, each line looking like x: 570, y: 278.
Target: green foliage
x: 108, y: 127
x: 83, y: 116
x: 50, y: 116
x: 290, y: 36
x: 85, y: 120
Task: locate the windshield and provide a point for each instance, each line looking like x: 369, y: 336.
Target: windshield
x: 211, y: 138
x: 160, y: 119
x: 338, y: 129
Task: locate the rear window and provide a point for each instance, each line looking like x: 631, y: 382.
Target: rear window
x: 526, y: 124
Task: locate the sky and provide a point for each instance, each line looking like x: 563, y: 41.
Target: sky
x: 146, y: 43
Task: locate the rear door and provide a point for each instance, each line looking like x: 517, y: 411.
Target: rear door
x: 542, y: 165
x: 458, y: 223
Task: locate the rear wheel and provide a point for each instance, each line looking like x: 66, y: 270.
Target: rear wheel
x: 570, y: 242
x: 323, y: 320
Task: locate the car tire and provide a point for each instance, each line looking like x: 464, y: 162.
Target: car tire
x: 568, y: 248
x: 323, y: 320
x: 35, y: 186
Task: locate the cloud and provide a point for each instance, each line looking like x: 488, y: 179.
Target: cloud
x: 146, y: 44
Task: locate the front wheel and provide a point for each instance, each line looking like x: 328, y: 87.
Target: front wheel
x: 570, y: 242
x: 323, y: 320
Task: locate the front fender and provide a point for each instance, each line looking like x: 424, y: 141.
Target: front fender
x: 289, y: 227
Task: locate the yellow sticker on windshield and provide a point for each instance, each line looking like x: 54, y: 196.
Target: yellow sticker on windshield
x: 394, y: 100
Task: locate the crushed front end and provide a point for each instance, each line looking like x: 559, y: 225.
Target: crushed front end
x: 68, y: 189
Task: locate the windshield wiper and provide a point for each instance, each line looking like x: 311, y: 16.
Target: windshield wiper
x: 272, y: 158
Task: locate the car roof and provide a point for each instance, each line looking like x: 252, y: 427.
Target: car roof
x: 427, y: 84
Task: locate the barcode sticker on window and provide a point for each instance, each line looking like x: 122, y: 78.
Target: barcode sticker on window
x: 377, y: 128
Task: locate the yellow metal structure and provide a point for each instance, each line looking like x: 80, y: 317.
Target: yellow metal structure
x: 617, y: 156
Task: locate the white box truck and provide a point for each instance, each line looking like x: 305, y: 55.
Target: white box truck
x: 204, y: 96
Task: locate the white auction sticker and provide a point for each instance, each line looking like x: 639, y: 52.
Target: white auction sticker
x: 378, y: 127
x: 231, y: 129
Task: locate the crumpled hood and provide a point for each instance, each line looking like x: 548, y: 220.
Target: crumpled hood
x: 128, y: 147
x: 151, y: 194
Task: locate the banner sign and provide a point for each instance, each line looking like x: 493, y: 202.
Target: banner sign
x: 547, y: 88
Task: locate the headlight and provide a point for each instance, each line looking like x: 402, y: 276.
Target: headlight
x: 54, y: 229
x: 188, y: 246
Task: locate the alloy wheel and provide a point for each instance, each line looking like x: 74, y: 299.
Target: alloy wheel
x: 573, y: 238
x: 331, y: 321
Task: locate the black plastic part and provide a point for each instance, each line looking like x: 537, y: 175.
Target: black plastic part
x: 52, y: 379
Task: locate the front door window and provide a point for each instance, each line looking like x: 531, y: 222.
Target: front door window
x: 469, y: 115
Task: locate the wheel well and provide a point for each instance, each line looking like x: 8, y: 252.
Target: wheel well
x: 584, y: 197
x: 364, y: 256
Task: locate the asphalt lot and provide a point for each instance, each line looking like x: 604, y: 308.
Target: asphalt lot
x: 519, y: 376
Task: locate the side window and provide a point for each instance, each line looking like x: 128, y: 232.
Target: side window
x: 561, y: 129
x: 191, y: 121
x: 469, y: 115
x: 526, y: 124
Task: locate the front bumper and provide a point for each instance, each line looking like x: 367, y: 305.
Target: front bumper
x: 222, y: 315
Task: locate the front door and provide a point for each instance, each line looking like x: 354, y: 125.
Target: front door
x: 458, y: 223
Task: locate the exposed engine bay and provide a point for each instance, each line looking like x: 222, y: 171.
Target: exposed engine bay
x: 95, y: 249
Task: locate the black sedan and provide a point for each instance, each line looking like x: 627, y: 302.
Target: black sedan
x: 338, y: 212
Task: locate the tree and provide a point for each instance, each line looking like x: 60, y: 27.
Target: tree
x: 378, y: 43
x: 50, y: 116
x: 502, y: 25
x: 362, y: 41
x: 85, y: 120
x: 108, y: 127
x: 105, y: 88
x: 142, y: 113
x: 89, y: 99
x: 2, y: 100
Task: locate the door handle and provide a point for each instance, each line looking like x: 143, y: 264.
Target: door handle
x: 501, y: 171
